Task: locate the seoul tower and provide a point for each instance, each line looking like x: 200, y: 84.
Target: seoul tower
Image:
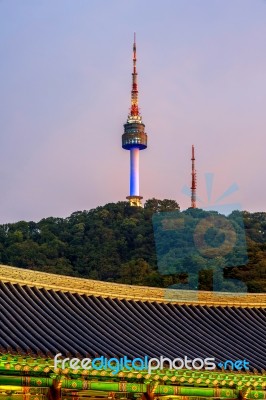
x: 134, y: 137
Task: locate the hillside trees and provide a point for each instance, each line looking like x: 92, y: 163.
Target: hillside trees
x: 116, y: 243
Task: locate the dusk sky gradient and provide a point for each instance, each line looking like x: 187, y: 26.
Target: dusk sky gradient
x: 65, y: 95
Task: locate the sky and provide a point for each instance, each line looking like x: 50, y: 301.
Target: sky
x: 65, y: 76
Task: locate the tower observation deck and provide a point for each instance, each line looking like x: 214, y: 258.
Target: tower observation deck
x: 134, y: 137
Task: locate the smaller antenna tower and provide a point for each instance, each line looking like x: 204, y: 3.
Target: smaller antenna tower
x: 193, y: 181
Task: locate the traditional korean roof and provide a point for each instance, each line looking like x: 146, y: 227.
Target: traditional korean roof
x: 45, y: 314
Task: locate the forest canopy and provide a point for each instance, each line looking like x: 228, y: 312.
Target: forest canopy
x: 140, y: 246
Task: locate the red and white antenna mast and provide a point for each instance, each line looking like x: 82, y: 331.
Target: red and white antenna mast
x: 194, y: 181
x: 134, y: 110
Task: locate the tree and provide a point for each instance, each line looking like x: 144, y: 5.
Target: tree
x: 156, y: 205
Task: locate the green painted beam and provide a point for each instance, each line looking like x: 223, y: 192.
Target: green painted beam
x: 25, y: 381
x: 22, y: 397
x: 125, y: 387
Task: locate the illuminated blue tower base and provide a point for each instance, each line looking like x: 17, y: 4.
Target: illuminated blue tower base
x: 134, y: 197
x: 134, y: 171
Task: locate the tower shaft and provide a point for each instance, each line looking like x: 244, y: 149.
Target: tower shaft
x: 134, y: 171
x: 193, y: 181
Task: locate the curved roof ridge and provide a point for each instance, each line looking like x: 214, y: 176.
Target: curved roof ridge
x: 90, y: 287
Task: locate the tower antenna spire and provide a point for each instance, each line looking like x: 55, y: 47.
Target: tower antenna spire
x: 134, y: 137
x: 134, y: 110
x: 193, y: 181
